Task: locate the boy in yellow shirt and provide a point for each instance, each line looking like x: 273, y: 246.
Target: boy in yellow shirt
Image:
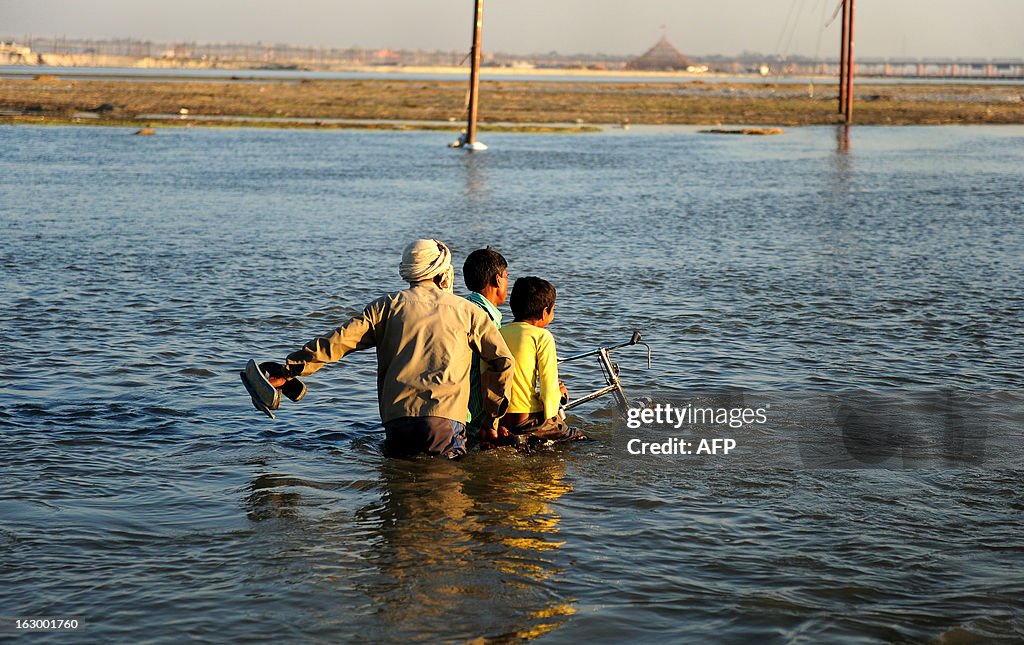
x: 536, y: 393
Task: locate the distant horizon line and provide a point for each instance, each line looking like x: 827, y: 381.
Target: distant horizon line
x: 593, y: 56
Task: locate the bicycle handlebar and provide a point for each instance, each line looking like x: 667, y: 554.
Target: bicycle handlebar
x: 634, y: 340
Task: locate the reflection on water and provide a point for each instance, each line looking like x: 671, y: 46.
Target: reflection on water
x: 462, y: 549
x: 476, y: 173
x: 270, y: 499
x: 842, y: 139
x: 468, y: 541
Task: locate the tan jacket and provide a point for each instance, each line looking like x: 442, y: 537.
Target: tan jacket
x: 425, y: 339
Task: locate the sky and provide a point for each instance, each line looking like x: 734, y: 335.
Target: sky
x: 884, y: 28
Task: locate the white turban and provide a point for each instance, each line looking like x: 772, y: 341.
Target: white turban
x: 425, y: 259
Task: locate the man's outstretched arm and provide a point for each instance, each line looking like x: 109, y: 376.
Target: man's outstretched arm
x: 353, y: 336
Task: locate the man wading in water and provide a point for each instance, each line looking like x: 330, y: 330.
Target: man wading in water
x: 425, y: 338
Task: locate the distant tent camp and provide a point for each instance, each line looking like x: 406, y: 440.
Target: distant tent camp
x: 663, y: 56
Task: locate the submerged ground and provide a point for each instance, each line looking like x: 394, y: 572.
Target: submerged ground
x: 51, y: 99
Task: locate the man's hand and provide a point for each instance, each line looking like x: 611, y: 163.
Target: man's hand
x: 488, y: 438
x: 492, y: 435
x: 564, y: 391
x: 276, y: 373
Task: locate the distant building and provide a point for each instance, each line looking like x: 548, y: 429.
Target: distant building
x: 15, y: 54
x: 663, y: 56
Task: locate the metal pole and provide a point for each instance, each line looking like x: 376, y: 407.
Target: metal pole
x: 613, y: 380
x: 842, y: 64
x: 474, y: 73
x: 849, y: 70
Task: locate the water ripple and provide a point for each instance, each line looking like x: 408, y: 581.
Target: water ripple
x: 141, y: 487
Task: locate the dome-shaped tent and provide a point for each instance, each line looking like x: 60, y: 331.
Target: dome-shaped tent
x: 663, y: 56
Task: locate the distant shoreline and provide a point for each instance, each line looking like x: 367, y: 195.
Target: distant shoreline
x: 214, y: 71
x: 521, y: 105
x: 219, y: 71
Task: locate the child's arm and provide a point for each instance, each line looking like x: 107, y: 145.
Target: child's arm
x: 547, y: 374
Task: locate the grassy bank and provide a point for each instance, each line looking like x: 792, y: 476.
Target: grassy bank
x: 54, y: 100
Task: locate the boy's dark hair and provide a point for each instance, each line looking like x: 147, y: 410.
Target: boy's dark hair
x: 530, y: 297
x: 482, y: 267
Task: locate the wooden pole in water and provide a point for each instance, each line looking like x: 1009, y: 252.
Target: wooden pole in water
x: 842, y: 64
x: 849, y: 68
x: 474, y: 73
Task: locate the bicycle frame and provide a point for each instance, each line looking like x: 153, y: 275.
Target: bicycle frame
x: 611, y: 373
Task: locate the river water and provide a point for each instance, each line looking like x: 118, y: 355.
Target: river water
x: 861, y: 290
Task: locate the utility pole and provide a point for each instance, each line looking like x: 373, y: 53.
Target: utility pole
x: 846, y: 64
x: 842, y: 63
x: 470, y: 142
x: 849, y: 67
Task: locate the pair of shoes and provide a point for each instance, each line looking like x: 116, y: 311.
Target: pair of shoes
x: 265, y: 397
x: 293, y: 388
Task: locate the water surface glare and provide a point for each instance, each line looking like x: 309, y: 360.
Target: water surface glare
x: 866, y: 290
